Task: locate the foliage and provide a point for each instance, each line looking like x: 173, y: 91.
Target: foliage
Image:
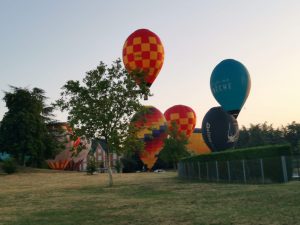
x: 131, y: 163
x: 269, y: 154
x: 103, y: 104
x: 246, y: 153
x: 260, y: 134
x: 118, y: 166
x: 174, y: 146
x: 9, y: 166
x: 292, y: 135
x: 91, y: 165
x: 23, y: 132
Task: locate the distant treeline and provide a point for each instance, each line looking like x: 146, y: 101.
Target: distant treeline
x: 265, y: 134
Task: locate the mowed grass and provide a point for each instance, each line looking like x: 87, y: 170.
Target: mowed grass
x: 44, y: 197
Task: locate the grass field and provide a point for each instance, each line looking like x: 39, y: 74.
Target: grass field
x: 44, y: 197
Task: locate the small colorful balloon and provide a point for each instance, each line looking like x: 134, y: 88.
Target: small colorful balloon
x: 152, y: 129
x: 183, y: 116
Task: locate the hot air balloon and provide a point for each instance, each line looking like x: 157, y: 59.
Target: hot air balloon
x: 183, y: 116
x: 219, y: 129
x: 197, y: 144
x: 230, y: 84
x: 143, y: 52
x: 152, y: 129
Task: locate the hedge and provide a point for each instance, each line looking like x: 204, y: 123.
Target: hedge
x: 244, y: 153
x: 272, y: 165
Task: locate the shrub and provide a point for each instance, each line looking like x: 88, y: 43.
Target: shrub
x: 9, y: 166
x: 244, y: 153
x: 118, y: 166
x: 270, y: 155
x: 91, y: 165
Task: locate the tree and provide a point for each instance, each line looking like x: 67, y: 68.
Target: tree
x: 103, y: 104
x: 23, y: 132
x: 174, y: 146
x: 292, y: 135
x: 260, y: 134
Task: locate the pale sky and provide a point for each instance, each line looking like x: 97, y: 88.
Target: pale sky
x: 44, y: 43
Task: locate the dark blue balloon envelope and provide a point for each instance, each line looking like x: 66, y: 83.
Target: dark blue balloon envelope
x: 219, y: 129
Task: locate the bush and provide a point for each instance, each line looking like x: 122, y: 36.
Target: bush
x: 118, y: 166
x: 270, y: 156
x: 244, y: 153
x: 9, y: 166
x: 91, y: 165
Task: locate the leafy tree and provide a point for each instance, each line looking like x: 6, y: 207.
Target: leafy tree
x: 292, y: 135
x: 174, y: 146
x: 103, y: 104
x: 260, y: 134
x: 23, y: 132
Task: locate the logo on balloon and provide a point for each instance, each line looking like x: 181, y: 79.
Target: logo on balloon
x: 230, y: 85
x: 232, y: 137
x: 219, y: 129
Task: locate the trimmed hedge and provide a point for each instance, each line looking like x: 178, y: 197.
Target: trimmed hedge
x: 244, y: 153
x: 270, y: 155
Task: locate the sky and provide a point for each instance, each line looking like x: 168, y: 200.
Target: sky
x: 46, y: 43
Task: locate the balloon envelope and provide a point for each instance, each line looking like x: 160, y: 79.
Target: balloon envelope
x: 152, y: 129
x: 197, y: 144
x: 220, y: 130
x: 230, y: 84
x: 143, y: 52
x: 183, y: 116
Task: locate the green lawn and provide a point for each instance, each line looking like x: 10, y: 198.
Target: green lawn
x: 57, y: 198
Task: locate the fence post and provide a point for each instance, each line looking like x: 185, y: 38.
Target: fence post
x: 244, y: 171
x: 217, y: 171
x: 228, y: 170
x: 262, y: 170
x: 298, y: 166
x: 284, y: 171
x: 199, y: 171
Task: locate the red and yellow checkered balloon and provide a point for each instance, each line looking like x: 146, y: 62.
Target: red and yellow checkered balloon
x: 143, y: 52
x: 183, y: 116
x: 152, y: 129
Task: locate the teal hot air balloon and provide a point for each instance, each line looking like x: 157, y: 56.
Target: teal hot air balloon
x: 230, y: 84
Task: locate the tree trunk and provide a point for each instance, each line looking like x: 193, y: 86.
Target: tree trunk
x: 109, y: 171
x: 110, y: 177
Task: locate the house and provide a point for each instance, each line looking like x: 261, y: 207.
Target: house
x: 66, y: 158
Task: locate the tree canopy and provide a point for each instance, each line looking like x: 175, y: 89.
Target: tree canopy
x: 23, y: 131
x: 102, y: 105
x: 174, y: 146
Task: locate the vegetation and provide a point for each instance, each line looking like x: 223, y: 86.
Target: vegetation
x: 91, y: 165
x: 265, y: 134
x: 103, y: 105
x: 23, y: 131
x: 9, y: 166
x: 270, y: 155
x: 174, y: 147
x: 246, y: 153
x: 40, y: 198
